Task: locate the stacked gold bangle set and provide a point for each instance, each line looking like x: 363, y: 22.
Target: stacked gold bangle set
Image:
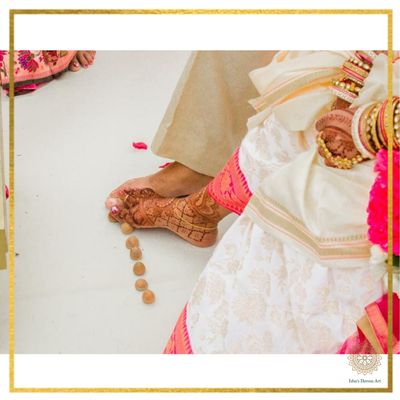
x: 356, y: 69
x: 370, y: 127
x: 337, y: 161
x: 371, y: 121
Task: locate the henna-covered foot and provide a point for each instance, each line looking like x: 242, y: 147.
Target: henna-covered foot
x: 194, y: 218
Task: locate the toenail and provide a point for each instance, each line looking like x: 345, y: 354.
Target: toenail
x: 114, y: 210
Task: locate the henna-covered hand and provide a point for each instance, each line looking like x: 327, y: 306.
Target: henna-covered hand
x: 335, y: 130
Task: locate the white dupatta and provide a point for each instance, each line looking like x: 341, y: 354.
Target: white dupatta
x: 318, y: 209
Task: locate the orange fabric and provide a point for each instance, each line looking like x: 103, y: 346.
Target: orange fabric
x: 360, y: 342
x: 179, y: 342
x: 229, y: 188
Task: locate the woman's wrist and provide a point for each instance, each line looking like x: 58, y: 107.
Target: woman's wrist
x: 371, y: 124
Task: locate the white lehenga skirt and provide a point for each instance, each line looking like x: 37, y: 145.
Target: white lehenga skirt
x: 258, y: 294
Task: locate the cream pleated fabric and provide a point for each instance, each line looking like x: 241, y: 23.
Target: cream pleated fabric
x: 300, y: 288
x: 260, y: 294
x: 320, y: 210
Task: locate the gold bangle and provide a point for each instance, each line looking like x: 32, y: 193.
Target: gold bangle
x: 365, y: 131
x: 380, y: 127
x: 358, y: 70
x: 396, y: 121
x: 357, y: 124
x: 337, y: 161
x: 372, y: 119
x: 348, y: 86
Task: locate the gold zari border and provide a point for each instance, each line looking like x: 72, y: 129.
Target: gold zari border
x: 271, y: 215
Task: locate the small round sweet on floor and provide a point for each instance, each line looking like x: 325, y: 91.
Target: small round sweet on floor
x: 148, y: 297
x: 132, y: 242
x: 136, y: 253
x: 139, y: 268
x: 126, y: 228
x: 141, y: 284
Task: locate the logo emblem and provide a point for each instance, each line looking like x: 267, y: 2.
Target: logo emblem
x: 364, y: 363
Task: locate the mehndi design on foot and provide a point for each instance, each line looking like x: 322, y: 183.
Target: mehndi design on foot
x: 194, y: 218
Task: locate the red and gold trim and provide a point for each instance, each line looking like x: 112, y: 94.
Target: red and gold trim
x: 179, y: 341
x: 372, y: 330
x: 229, y: 188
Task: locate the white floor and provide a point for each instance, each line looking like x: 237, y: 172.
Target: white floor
x: 74, y: 285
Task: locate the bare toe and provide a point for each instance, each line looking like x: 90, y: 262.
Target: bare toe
x: 82, y: 59
x: 88, y: 57
x: 113, y: 199
x: 113, y: 202
x: 74, y: 65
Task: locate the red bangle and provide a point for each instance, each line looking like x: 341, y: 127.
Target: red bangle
x: 381, y: 124
x: 396, y: 136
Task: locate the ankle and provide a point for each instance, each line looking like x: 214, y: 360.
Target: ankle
x: 206, y: 207
x: 177, y: 180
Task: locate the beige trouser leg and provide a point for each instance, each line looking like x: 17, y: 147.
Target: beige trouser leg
x: 206, y: 118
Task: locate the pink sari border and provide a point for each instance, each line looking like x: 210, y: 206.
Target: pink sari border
x: 179, y: 341
x: 377, y: 314
x: 229, y: 188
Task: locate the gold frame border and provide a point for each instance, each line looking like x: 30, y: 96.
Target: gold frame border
x: 13, y: 12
